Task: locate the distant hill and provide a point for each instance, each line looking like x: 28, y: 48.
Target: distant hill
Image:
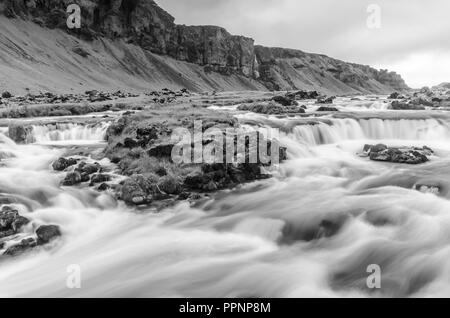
x: 135, y: 44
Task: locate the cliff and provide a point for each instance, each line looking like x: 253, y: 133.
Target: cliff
x: 222, y: 60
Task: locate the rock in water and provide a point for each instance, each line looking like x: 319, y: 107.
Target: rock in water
x: 133, y: 192
x: 411, y: 155
x: 21, y: 248
x: 7, y: 218
x: 327, y: 109
x: 46, y: 233
x: 325, y: 100
x: 88, y: 168
x: 11, y: 222
x: 62, y: 164
x: 72, y: 178
x: 19, y: 222
x: 284, y: 100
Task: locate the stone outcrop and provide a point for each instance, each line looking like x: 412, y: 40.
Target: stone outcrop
x: 287, y: 69
x: 406, y: 155
x: 144, y: 23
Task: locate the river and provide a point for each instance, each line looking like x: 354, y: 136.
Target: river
x: 310, y: 231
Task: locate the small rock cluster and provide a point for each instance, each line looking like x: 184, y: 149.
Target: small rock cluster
x: 271, y: 108
x: 167, y: 96
x: 51, y: 98
x: 437, y: 97
x: 83, y: 172
x: 406, y: 155
x: 325, y: 100
x: 147, y: 188
x: 11, y: 224
x: 302, y: 95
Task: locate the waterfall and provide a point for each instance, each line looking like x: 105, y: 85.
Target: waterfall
x: 61, y: 132
x: 377, y: 129
x: 312, y: 230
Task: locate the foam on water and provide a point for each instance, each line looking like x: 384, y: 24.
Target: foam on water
x: 68, y: 132
x: 312, y: 230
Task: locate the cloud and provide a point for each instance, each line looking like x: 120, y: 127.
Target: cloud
x: 411, y: 30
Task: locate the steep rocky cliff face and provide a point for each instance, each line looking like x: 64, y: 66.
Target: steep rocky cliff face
x: 145, y: 24
x: 285, y: 69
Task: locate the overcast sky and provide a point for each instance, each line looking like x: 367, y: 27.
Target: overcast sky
x: 413, y: 38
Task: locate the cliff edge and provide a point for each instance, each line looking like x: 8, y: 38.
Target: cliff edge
x: 138, y: 37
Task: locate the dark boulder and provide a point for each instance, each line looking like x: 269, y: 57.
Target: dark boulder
x: 284, y: 100
x: 412, y: 155
x: 6, y: 95
x: 327, y: 109
x: 162, y: 150
x: 133, y: 191
x: 62, y: 164
x: 10, y: 221
x: 72, y: 178
x: 130, y: 143
x: 7, y: 217
x: 396, y: 95
x: 46, y: 233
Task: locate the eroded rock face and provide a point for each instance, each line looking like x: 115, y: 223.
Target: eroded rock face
x: 144, y: 23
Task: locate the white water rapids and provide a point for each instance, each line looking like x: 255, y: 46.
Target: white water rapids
x: 76, y: 133
x: 310, y: 231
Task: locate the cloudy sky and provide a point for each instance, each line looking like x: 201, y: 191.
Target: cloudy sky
x: 411, y: 37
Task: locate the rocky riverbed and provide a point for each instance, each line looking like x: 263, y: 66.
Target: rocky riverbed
x: 105, y: 192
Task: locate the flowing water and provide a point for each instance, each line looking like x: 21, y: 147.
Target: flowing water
x: 311, y: 230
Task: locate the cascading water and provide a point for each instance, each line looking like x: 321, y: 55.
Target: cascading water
x: 312, y: 230
x: 376, y: 129
x: 68, y: 132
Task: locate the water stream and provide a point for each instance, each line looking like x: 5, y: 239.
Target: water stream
x: 311, y: 230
